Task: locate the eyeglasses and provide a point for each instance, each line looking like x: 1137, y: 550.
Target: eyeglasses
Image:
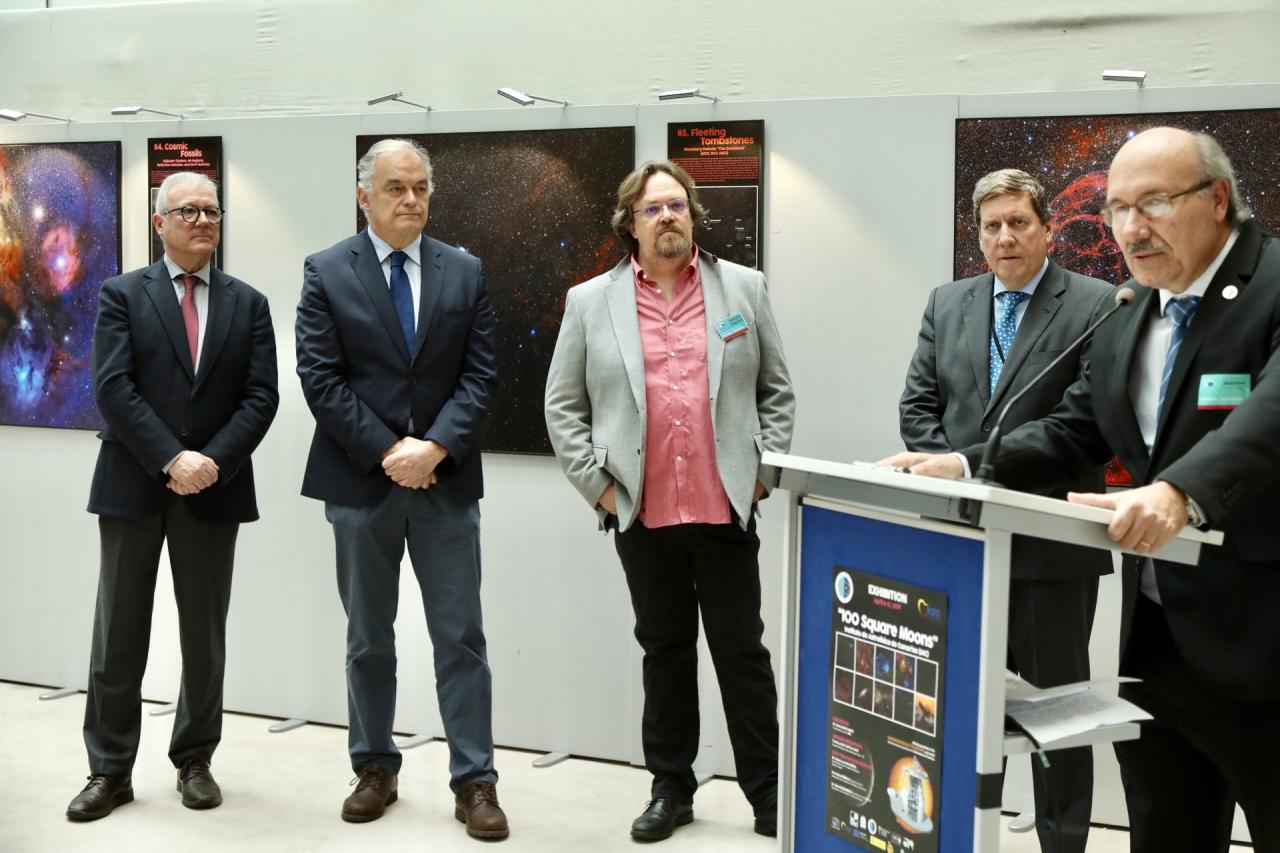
x: 677, y: 206
x: 191, y: 213
x: 1156, y: 206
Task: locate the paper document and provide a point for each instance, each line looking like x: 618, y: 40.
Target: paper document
x: 1060, y: 712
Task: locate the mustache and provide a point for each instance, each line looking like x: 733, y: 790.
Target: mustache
x: 1143, y: 246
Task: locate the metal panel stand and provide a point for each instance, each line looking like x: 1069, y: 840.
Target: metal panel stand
x: 59, y: 693
x: 170, y: 708
x: 286, y: 726
x: 550, y: 759
x: 414, y: 741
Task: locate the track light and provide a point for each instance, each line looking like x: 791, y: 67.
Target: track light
x: 395, y: 96
x: 1125, y: 76
x: 19, y: 115
x: 677, y: 94
x: 134, y: 110
x: 524, y: 99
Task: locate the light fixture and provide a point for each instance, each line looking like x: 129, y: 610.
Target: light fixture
x: 134, y: 110
x: 524, y: 99
x: 19, y: 115
x: 395, y: 96
x: 1122, y: 75
x: 677, y: 94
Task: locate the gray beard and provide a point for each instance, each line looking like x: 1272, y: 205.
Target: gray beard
x: 674, y: 248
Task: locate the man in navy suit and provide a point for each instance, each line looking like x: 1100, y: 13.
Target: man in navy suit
x: 184, y: 374
x: 396, y: 357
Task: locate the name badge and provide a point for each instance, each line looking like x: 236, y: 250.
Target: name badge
x: 1223, y: 390
x: 731, y: 327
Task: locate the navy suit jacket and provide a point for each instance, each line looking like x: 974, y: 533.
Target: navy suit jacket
x: 364, y: 384
x: 156, y: 405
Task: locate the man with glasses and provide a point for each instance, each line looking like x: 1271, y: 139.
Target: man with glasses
x: 1183, y: 387
x: 982, y: 341
x: 667, y: 383
x: 184, y: 374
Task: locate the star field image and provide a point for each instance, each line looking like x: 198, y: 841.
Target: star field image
x: 534, y: 206
x: 59, y: 239
x: 1070, y: 156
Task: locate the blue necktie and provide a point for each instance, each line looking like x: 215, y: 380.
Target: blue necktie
x: 1006, y: 327
x: 1180, y: 311
x: 402, y: 296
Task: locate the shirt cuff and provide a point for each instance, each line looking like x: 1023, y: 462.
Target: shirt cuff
x: 169, y: 464
x: 964, y: 460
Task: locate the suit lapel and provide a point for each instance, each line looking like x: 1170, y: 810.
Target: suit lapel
x: 159, y: 288
x: 1113, y: 397
x: 714, y: 305
x: 432, y: 260
x: 368, y: 271
x: 1044, y: 304
x: 620, y: 293
x: 976, y: 310
x: 222, y: 304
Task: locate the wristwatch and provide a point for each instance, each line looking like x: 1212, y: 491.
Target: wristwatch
x: 1194, y: 518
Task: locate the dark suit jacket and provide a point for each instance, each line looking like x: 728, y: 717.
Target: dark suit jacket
x: 363, y: 384
x: 1221, y: 611
x: 155, y: 405
x: 948, y: 404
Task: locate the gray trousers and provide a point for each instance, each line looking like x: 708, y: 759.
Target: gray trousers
x: 200, y: 556
x: 443, y: 536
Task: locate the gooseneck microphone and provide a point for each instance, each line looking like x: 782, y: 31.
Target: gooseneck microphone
x: 1123, y: 297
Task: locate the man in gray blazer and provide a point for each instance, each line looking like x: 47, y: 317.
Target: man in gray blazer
x: 667, y: 383
x: 982, y: 340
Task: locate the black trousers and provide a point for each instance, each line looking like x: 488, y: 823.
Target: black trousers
x: 200, y: 555
x: 1049, y: 626
x: 1202, y: 754
x: 672, y: 572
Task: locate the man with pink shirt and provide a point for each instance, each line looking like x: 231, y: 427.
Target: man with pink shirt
x: 667, y: 383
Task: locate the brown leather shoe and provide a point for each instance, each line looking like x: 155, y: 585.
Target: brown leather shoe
x: 196, y: 784
x: 375, y: 790
x: 477, y: 806
x: 99, y: 797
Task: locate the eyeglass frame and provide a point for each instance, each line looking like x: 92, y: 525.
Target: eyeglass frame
x: 1108, y: 214
x: 219, y: 212
x: 685, y: 204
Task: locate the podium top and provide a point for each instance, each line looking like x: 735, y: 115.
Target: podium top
x: 967, y: 502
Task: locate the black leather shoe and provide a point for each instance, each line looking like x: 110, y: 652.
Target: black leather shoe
x: 660, y: 818
x: 196, y: 785
x: 375, y: 790
x: 99, y: 797
x: 767, y: 824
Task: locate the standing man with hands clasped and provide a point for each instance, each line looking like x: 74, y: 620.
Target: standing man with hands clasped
x: 184, y: 374
x: 396, y: 356
x: 1184, y: 386
x: 667, y: 383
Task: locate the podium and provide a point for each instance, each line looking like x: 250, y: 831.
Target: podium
x: 895, y: 628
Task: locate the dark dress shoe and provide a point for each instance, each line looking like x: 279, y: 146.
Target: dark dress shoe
x: 767, y: 824
x: 196, y: 785
x: 375, y: 790
x: 660, y: 818
x: 477, y: 806
x: 99, y: 797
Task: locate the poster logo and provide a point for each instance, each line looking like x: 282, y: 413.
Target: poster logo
x: 844, y: 588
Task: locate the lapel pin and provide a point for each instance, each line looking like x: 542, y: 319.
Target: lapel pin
x: 1230, y: 291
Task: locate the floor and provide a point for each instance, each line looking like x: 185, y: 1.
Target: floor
x: 282, y: 792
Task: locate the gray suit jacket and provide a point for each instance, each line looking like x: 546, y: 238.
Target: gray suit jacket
x: 595, y: 400
x: 948, y: 405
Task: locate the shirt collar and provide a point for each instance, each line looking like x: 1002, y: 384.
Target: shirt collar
x: 1029, y: 288
x: 1200, y: 286
x: 643, y: 277
x: 384, y: 250
x: 175, y: 270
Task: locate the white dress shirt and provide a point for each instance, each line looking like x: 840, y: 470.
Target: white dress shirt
x: 412, y: 267
x: 201, y: 295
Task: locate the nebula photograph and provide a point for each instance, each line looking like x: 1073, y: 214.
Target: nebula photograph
x: 59, y: 239
x: 534, y: 206
x: 1070, y: 155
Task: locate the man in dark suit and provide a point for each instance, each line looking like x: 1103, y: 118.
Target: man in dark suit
x: 982, y: 340
x: 184, y: 373
x: 1183, y: 387
x: 396, y: 357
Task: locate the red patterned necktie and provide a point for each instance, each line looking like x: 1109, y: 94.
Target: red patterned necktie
x: 189, y: 316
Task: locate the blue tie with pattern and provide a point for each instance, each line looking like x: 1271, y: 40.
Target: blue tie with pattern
x: 1180, y: 311
x: 1005, y: 328
x: 402, y: 296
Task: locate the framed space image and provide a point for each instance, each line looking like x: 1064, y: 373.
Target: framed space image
x: 59, y: 239
x: 534, y: 206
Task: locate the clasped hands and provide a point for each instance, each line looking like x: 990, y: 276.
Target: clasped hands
x: 411, y: 462
x: 1146, y: 518
x: 192, y: 472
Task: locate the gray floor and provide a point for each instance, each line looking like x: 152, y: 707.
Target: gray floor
x: 282, y: 792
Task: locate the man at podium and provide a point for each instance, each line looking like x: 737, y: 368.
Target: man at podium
x: 1183, y: 387
x: 982, y: 340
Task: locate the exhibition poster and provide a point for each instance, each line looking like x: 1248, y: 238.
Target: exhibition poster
x: 201, y: 154
x: 888, y: 664
x: 726, y: 161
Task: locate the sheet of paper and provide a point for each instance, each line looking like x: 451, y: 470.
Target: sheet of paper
x: 1074, y: 713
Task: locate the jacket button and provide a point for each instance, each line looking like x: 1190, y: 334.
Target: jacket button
x: 986, y: 428
x: 184, y: 433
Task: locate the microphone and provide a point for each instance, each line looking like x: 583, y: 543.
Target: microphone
x: 1123, y: 297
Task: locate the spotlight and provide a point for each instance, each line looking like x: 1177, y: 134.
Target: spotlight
x: 138, y: 108
x: 19, y: 115
x: 1125, y: 76
x: 524, y: 99
x: 395, y: 96
x: 677, y: 94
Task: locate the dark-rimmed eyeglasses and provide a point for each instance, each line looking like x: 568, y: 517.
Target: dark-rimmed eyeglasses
x: 677, y: 206
x: 190, y: 213
x: 1157, y: 206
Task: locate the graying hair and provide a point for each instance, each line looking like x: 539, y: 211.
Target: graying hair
x: 364, y: 169
x: 1012, y: 181
x: 1215, y: 166
x: 162, y: 194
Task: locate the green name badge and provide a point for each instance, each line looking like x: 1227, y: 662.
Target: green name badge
x: 1223, y: 390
